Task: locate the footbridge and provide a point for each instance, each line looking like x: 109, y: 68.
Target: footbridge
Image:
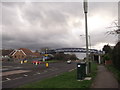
x: 79, y: 50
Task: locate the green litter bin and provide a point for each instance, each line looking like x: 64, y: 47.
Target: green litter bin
x: 81, y: 70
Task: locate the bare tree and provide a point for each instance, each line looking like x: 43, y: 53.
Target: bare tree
x: 115, y: 29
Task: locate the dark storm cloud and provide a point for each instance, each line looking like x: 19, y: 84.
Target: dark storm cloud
x: 54, y: 25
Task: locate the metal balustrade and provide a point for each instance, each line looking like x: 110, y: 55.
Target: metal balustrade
x: 79, y: 50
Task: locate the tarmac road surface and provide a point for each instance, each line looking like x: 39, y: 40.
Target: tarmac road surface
x: 15, y: 75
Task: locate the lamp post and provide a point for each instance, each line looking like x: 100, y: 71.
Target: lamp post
x: 85, y: 3
x: 119, y: 21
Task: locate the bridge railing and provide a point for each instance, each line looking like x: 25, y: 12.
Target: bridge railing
x: 81, y: 50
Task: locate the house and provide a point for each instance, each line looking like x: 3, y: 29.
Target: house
x: 37, y: 55
x: 22, y: 53
x: 5, y: 53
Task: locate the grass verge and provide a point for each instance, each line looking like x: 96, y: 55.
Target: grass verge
x: 65, y: 80
x: 51, y: 61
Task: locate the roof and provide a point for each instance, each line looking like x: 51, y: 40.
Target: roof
x: 26, y: 51
x: 12, y: 52
x: 37, y: 54
x: 6, y: 52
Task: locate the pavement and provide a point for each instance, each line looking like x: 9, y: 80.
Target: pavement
x: 15, y: 74
x: 104, y: 79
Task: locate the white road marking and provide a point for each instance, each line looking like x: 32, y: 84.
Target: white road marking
x: 38, y: 73
x: 9, y: 68
x: 8, y: 78
x: 25, y: 75
x: 14, y: 72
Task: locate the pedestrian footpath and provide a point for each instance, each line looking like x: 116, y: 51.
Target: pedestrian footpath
x: 104, y: 79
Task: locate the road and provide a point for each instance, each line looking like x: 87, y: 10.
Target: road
x: 16, y: 74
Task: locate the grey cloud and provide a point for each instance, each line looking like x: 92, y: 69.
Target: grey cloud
x: 36, y: 25
x: 103, y: 8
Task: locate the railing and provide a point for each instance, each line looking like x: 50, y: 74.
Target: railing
x: 80, y: 50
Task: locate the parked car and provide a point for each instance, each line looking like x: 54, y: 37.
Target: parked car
x: 37, y: 61
x: 68, y: 61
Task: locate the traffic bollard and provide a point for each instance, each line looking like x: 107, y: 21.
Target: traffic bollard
x: 21, y: 62
x: 25, y: 61
x: 47, y: 65
x: 36, y: 63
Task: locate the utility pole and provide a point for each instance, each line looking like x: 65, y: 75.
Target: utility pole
x: 86, y: 31
x: 119, y: 21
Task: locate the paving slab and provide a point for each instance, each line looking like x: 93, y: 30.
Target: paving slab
x: 104, y: 79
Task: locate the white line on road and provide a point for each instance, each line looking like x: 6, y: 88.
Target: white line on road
x: 38, y: 73
x: 25, y: 75
x: 14, y: 72
x: 8, y: 78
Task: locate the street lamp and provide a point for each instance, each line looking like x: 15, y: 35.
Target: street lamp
x: 119, y: 20
x: 85, y: 3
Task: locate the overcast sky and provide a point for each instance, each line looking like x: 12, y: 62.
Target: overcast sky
x: 37, y: 25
